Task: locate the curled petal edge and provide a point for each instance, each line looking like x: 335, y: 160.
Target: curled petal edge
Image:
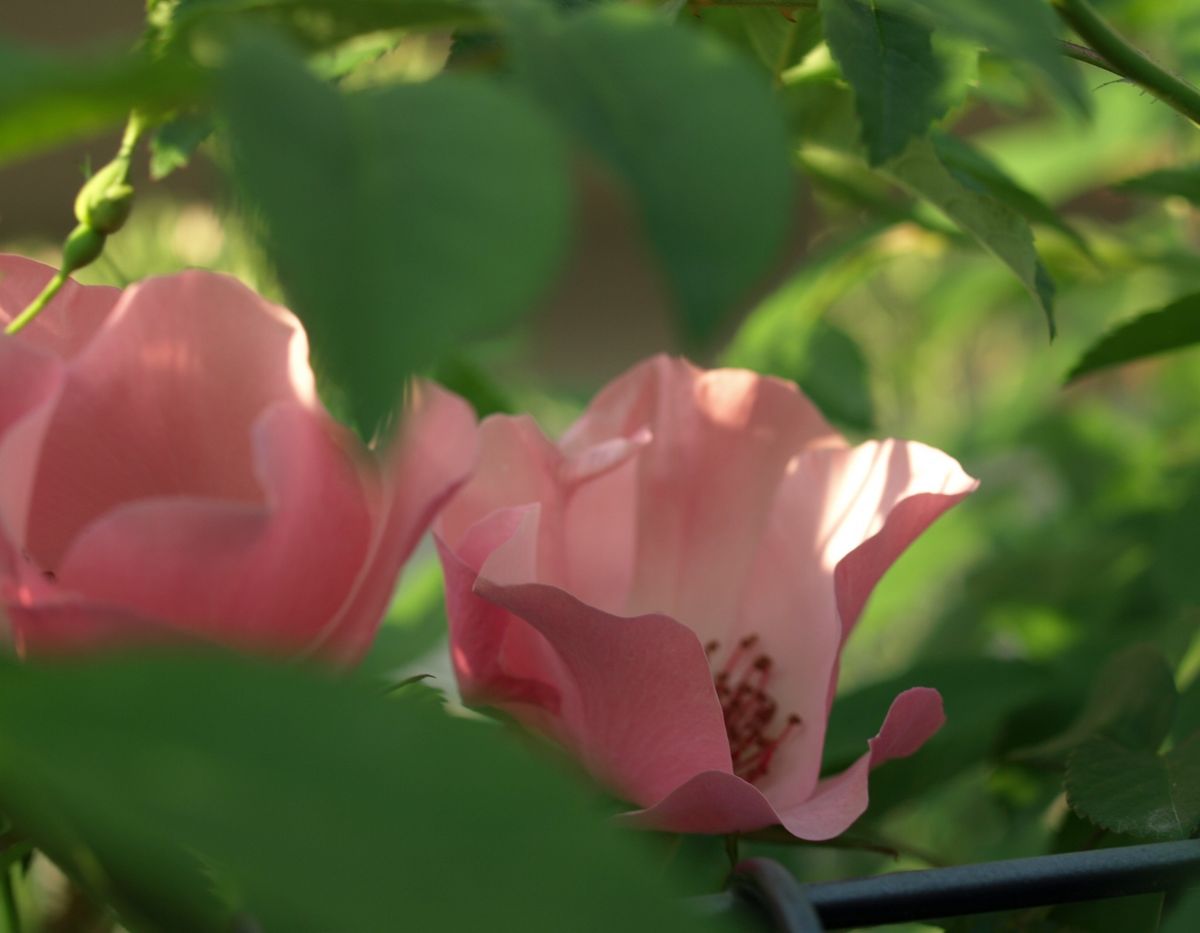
x: 717, y: 802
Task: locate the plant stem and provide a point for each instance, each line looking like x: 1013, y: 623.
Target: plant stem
x: 34, y: 307
x: 1128, y: 61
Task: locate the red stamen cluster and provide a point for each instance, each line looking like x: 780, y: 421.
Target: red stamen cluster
x: 749, y: 710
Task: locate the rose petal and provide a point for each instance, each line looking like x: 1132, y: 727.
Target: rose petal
x: 499, y: 660
x: 638, y: 702
x: 263, y: 577
x: 834, y: 510
x: 914, y: 716
x: 161, y: 401
x: 30, y: 380
x: 722, y: 441
x: 70, y: 319
x: 431, y: 457
x: 713, y: 802
x: 911, y: 485
x: 586, y: 508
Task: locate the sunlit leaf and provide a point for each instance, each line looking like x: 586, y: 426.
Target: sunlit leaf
x: 1169, y: 328
x: 1024, y: 30
x: 975, y: 170
x: 889, y: 61
x: 694, y: 131
x: 402, y: 221
x: 1135, y: 791
x: 994, y: 224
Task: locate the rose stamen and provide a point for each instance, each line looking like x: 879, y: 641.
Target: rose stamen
x: 748, y: 708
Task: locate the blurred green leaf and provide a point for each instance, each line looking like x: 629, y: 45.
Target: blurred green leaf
x: 690, y: 126
x: 1185, y: 915
x: 1187, y: 715
x: 189, y: 789
x: 1024, y: 30
x: 1132, y: 702
x: 1169, y: 328
x: 1135, y: 791
x: 889, y: 61
x: 779, y: 42
x: 174, y: 142
x: 975, y: 170
x: 776, y: 334
x: 835, y: 376
x: 994, y: 224
x: 47, y: 99
x: 1182, y: 182
x: 402, y: 221
x: 464, y: 376
x: 318, y: 22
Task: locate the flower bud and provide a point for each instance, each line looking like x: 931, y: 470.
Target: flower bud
x: 81, y: 248
x: 105, y: 201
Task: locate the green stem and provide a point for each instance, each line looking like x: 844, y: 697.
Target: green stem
x: 34, y: 307
x: 1128, y: 61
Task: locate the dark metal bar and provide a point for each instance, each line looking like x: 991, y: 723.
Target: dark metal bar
x: 777, y: 893
x: 989, y: 886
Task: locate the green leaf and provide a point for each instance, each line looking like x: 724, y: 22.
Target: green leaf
x: 49, y: 99
x: 694, y: 131
x: 1185, y: 915
x: 1187, y: 715
x: 997, y: 227
x: 975, y: 170
x: 1181, y: 182
x: 402, y: 221
x: 1024, y: 30
x: 185, y: 789
x: 1132, y: 702
x: 888, y: 60
x: 174, y: 142
x: 1134, y: 791
x: 1153, y: 332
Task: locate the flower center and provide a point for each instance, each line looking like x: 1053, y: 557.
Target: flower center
x: 749, y: 710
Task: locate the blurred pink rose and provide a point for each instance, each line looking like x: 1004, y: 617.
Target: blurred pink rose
x: 666, y: 592
x: 166, y: 471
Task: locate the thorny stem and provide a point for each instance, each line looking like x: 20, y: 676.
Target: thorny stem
x: 1128, y: 61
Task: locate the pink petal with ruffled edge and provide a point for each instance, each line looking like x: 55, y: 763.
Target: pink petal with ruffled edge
x: 636, y: 699
x: 431, y: 457
x: 68, y: 322
x: 833, y: 506
x: 717, y: 802
x: 161, y: 403
x: 263, y: 577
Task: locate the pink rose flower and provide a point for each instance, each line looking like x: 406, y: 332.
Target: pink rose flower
x: 666, y: 592
x: 167, y: 471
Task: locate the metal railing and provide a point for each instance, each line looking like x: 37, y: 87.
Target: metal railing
x: 765, y: 888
